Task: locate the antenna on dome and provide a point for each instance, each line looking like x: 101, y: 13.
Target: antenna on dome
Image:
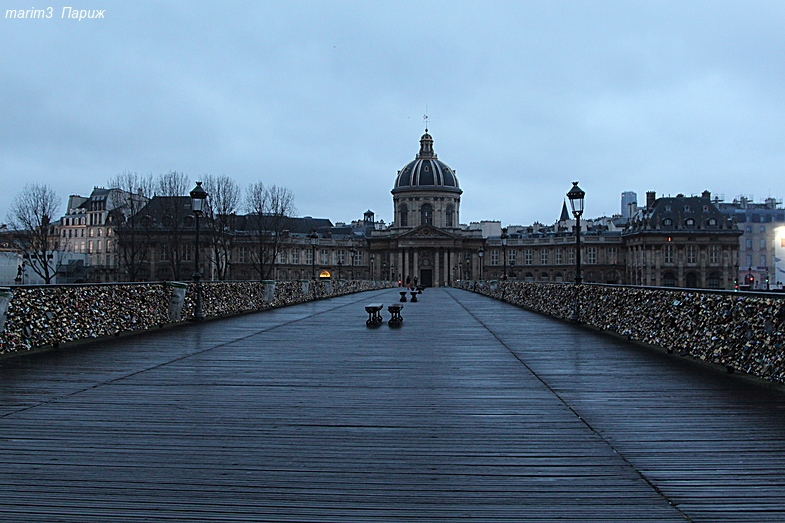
x: 425, y: 118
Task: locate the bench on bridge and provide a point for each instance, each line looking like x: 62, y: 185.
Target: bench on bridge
x: 395, y: 311
x: 374, y: 311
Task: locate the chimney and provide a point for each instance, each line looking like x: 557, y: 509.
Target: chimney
x: 650, y: 197
x: 706, y: 194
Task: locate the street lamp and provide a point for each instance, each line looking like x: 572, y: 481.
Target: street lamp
x: 384, y: 270
x: 314, y: 240
x: 576, y: 196
x: 504, y: 238
x: 198, y: 200
x: 736, y: 277
x: 467, y: 272
x: 480, y: 253
x: 352, y: 251
x: 371, y: 257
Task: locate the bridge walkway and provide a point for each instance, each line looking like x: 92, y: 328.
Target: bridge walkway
x: 473, y: 410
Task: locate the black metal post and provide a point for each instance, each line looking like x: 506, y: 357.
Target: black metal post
x: 198, y: 312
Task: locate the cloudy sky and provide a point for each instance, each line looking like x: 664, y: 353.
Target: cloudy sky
x: 327, y: 98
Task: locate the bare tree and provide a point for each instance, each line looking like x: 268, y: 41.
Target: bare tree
x: 172, y: 188
x: 31, y: 217
x: 222, y: 206
x: 269, y: 208
x: 132, y: 231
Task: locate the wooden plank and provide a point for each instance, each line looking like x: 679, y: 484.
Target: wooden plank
x: 472, y: 410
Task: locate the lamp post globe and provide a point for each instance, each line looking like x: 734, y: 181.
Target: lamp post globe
x: 480, y: 254
x: 198, y: 203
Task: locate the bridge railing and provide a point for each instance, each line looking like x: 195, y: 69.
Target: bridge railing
x: 740, y: 331
x: 51, y: 315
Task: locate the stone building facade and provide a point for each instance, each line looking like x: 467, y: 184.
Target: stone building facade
x: 675, y: 241
x: 682, y: 242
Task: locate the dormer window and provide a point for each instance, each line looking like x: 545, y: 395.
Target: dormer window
x: 689, y: 222
x: 667, y: 222
x: 667, y: 208
x: 686, y: 208
x: 712, y: 221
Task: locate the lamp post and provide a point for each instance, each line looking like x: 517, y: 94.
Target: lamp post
x: 468, y: 271
x: 504, y: 238
x: 340, y: 263
x: 480, y: 253
x: 352, y: 251
x: 198, y: 200
x: 736, y: 277
x: 576, y: 196
x: 371, y: 257
x: 314, y: 240
x: 384, y: 270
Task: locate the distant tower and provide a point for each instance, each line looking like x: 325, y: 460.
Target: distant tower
x: 629, y: 203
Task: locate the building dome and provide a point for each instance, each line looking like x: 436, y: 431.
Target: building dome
x: 426, y: 171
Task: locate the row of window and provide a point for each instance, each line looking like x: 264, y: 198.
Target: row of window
x: 761, y: 246
x: 426, y: 215
x: 690, y: 254
x: 90, y: 219
x: 88, y: 246
x: 689, y: 222
x: 589, y: 256
x: 79, y: 233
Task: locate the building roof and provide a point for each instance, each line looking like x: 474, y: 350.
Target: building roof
x: 426, y: 171
x: 682, y: 214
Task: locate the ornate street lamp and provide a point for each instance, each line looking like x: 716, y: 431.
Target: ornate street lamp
x: 198, y: 200
x: 371, y: 258
x: 576, y: 196
x: 314, y: 240
x: 384, y: 270
x: 504, y: 238
x: 352, y: 251
x: 480, y: 253
x: 467, y: 272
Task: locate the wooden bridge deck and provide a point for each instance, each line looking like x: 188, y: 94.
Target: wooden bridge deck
x: 473, y: 410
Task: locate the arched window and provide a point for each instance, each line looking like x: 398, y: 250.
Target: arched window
x: 668, y: 280
x: 404, y: 210
x: 426, y: 214
x: 448, y: 217
x: 714, y: 281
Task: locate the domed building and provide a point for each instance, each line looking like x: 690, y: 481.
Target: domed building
x: 426, y: 243
x: 426, y: 191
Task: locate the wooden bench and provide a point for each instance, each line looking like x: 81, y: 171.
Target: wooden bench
x: 395, y: 311
x: 374, y: 311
